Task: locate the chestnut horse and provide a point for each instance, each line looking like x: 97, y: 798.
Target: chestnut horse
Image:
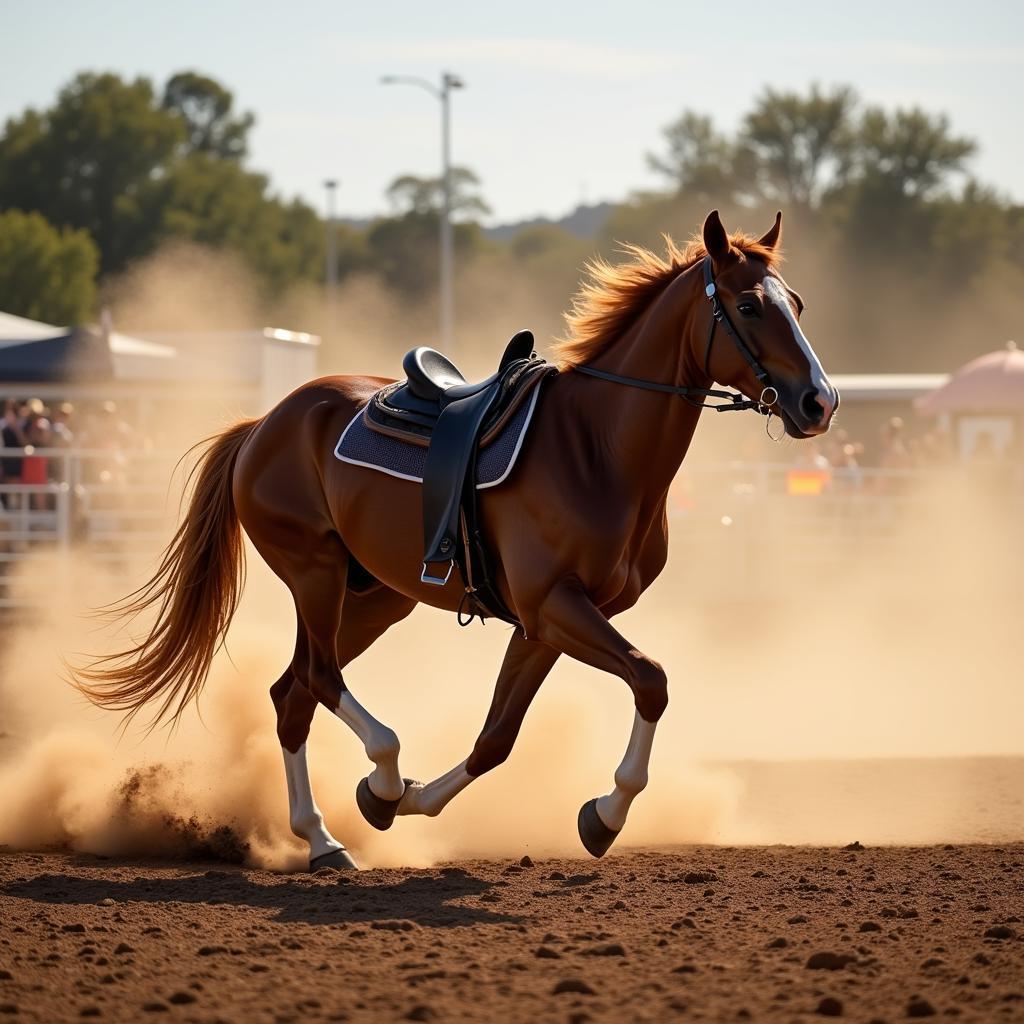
x: 577, y: 533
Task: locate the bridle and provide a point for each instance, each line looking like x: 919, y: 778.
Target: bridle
x: 734, y: 401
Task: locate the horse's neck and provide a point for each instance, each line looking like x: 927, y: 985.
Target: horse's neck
x: 648, y: 433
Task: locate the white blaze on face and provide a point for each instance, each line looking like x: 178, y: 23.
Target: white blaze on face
x: 775, y: 293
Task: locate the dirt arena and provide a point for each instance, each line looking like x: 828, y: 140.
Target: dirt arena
x: 702, y: 933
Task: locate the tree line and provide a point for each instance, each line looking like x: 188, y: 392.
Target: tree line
x: 879, y: 203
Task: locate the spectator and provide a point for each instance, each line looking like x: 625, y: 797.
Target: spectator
x: 850, y: 476
x: 106, y: 431
x: 35, y: 468
x: 63, y: 436
x: 12, y: 438
x: 809, y: 456
x: 895, y: 452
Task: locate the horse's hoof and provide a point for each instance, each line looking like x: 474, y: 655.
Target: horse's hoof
x: 597, y: 837
x: 379, y: 813
x: 339, y: 859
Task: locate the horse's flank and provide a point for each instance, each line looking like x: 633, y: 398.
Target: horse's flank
x: 615, y: 295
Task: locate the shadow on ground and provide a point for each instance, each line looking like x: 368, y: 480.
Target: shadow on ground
x: 329, y: 897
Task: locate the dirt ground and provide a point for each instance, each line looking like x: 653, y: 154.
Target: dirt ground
x: 702, y: 933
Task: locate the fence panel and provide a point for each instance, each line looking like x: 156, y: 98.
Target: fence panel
x: 748, y: 521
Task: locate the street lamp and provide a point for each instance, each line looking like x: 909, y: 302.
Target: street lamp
x: 442, y: 93
x: 331, y: 263
x: 330, y: 260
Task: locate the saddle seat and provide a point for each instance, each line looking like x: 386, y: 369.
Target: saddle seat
x: 434, y: 381
x: 436, y: 406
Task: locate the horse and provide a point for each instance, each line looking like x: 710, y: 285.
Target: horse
x: 577, y: 533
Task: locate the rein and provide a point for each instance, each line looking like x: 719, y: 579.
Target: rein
x: 734, y: 401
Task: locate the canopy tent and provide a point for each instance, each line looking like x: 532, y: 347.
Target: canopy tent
x: 32, y: 352
x: 16, y: 330
x: 241, y: 371
x: 983, y: 404
x: 990, y: 383
x: 77, y: 355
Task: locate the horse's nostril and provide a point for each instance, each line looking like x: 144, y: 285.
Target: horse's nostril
x: 810, y: 406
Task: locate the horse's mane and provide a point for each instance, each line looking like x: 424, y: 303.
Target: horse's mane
x: 614, y: 296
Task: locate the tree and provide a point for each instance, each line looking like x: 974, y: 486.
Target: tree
x: 910, y: 151
x: 700, y: 162
x: 972, y: 233
x: 800, y: 144
x: 45, y: 273
x: 410, y: 194
x: 83, y: 162
x: 217, y: 203
x: 404, y: 250
x: 205, y: 108
x: 134, y: 172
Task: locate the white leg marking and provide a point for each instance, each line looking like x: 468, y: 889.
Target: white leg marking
x: 431, y: 799
x: 630, y: 776
x: 381, y: 746
x: 303, y: 814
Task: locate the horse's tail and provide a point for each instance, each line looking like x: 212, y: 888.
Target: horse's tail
x: 194, y: 592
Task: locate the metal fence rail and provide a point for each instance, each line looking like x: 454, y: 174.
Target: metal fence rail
x: 112, y: 504
x: 117, y: 506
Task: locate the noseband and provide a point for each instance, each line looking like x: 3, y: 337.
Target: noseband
x: 734, y: 401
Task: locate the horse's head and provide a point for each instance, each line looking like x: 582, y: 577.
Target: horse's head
x: 759, y: 312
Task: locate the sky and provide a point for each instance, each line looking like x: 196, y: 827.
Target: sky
x: 562, y: 101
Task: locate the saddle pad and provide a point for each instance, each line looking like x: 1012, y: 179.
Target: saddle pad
x: 362, y: 446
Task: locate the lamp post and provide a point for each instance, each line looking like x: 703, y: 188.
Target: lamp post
x: 331, y: 263
x: 331, y: 258
x: 441, y: 93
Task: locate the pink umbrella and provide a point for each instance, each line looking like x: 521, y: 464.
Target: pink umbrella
x: 990, y: 383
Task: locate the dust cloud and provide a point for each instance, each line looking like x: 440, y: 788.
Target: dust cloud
x: 829, y: 681
x: 216, y: 786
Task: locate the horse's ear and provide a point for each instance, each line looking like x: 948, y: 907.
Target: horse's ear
x: 771, y: 238
x: 716, y: 240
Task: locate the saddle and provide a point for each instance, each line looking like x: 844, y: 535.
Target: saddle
x: 435, y: 406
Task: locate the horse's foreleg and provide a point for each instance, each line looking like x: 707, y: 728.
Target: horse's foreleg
x: 525, y: 667
x: 570, y: 622
x: 630, y: 780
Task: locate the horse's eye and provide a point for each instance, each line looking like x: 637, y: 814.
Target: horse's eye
x: 748, y: 309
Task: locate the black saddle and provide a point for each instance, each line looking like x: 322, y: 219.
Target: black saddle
x: 436, y: 404
x: 433, y: 381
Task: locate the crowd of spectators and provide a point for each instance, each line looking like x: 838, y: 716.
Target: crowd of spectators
x: 30, y: 429
x: 893, y: 448
x: 895, y: 452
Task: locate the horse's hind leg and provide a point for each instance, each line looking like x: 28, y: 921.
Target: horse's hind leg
x: 320, y: 596
x: 365, y: 616
x: 295, y: 706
